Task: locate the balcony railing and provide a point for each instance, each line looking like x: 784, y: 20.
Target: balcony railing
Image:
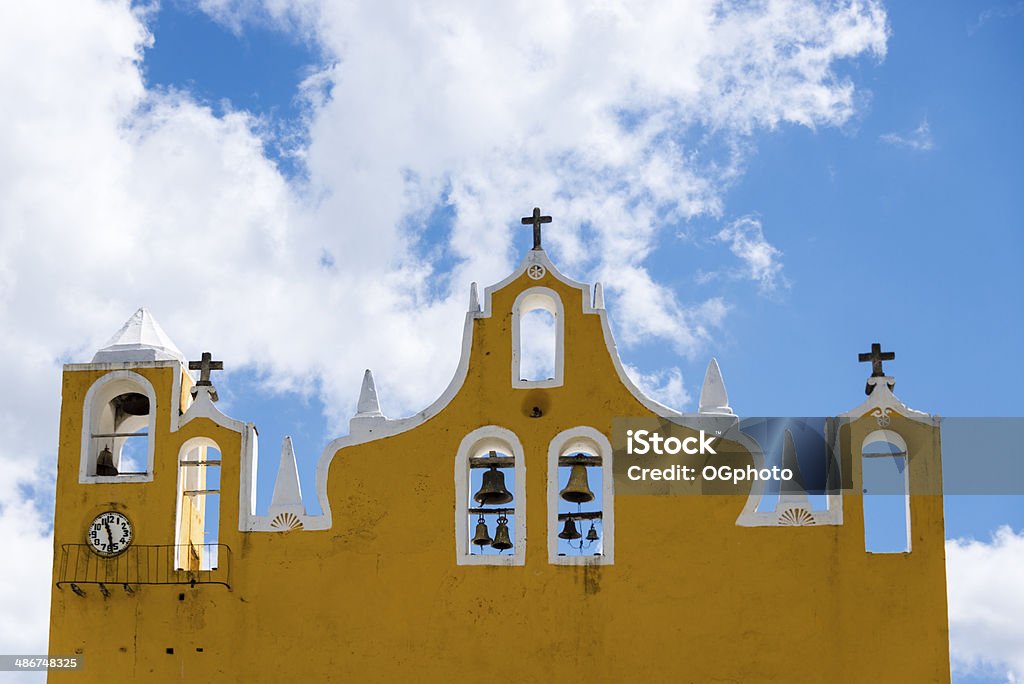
x: 141, y: 564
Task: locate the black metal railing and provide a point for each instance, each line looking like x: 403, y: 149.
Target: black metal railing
x: 142, y: 564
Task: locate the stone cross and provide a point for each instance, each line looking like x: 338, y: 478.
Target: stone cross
x: 536, y: 220
x: 204, y: 367
x: 876, y: 356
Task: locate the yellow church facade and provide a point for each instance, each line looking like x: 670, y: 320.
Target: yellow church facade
x: 492, y: 535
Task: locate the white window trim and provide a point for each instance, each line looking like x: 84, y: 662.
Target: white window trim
x: 476, y: 442
x: 91, y: 404
x: 594, y: 439
x: 530, y: 300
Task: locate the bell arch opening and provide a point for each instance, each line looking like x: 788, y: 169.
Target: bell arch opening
x: 885, y: 486
x: 581, y: 498
x: 490, y: 508
x: 118, y: 426
x: 538, y: 339
x: 197, y: 519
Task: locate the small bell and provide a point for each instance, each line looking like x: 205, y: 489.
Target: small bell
x: 592, y: 533
x: 577, y: 489
x: 105, y: 462
x: 501, y: 539
x: 492, y: 490
x: 569, y: 530
x: 481, y: 537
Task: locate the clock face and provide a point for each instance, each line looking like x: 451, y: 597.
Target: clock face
x: 109, y: 534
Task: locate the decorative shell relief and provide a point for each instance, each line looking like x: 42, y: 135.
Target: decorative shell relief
x: 286, y: 522
x: 882, y: 416
x: 796, y: 517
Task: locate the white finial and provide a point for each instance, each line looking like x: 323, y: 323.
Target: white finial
x: 368, y: 416
x: 287, y: 492
x: 368, y: 406
x: 713, y: 397
x: 791, y: 491
x: 474, y: 299
x: 598, y: 296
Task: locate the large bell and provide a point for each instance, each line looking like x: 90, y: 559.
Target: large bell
x: 592, y: 533
x: 132, y: 404
x: 577, y: 490
x: 481, y: 537
x: 569, y: 530
x: 501, y: 538
x: 105, y: 462
x: 492, y: 490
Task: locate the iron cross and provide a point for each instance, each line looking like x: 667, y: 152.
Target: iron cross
x: 876, y: 356
x: 536, y: 220
x: 204, y: 367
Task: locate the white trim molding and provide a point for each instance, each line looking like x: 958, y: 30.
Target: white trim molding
x: 532, y: 299
x: 477, y: 443
x: 882, y: 402
x: 586, y: 439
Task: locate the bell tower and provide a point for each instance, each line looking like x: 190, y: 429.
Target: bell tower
x: 143, y: 456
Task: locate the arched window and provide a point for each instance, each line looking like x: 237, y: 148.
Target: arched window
x: 490, y: 506
x: 886, y: 489
x: 581, y: 498
x: 197, y: 521
x: 538, y: 339
x: 118, y: 424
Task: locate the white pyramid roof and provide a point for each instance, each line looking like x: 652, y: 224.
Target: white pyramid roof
x: 140, y: 339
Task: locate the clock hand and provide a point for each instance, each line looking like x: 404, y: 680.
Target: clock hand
x: 110, y: 535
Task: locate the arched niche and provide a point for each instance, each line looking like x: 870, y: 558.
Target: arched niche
x: 470, y: 466
x: 528, y: 344
x: 885, y: 486
x: 197, y: 515
x: 588, y: 448
x: 118, y: 429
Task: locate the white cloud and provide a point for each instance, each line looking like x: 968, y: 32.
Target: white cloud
x: 113, y: 196
x: 761, y: 263
x: 986, y: 600
x: 665, y: 386
x: 1002, y: 11
x: 919, y: 139
x: 25, y: 591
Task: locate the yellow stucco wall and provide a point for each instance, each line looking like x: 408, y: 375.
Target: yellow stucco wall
x: 690, y: 597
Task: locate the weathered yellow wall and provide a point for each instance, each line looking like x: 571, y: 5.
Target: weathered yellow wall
x: 691, y: 597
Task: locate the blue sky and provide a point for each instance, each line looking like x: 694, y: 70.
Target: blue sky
x: 360, y: 168
x: 881, y: 240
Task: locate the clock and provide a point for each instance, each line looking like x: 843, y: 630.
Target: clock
x: 109, y: 534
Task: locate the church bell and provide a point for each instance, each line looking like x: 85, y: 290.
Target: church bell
x: 569, y: 530
x: 501, y: 538
x: 105, y: 462
x: 481, y: 537
x: 577, y: 490
x: 132, y: 404
x: 492, y: 490
x: 592, y: 533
